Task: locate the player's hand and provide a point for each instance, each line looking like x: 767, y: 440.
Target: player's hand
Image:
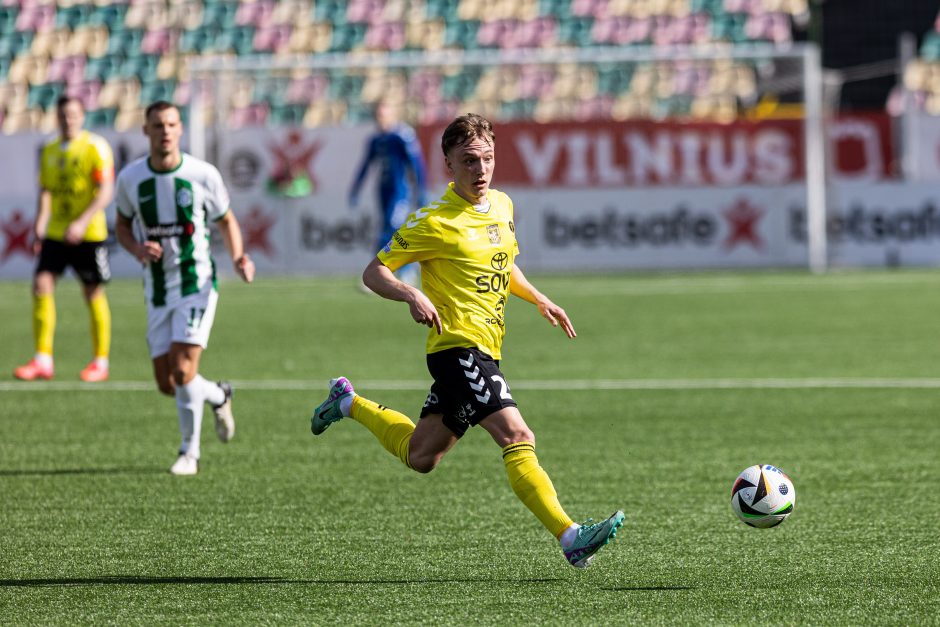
x: 149, y: 252
x: 556, y: 316
x: 245, y: 268
x: 37, y: 245
x: 424, y: 312
x: 75, y: 232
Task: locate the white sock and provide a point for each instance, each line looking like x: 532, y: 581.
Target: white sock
x: 102, y: 362
x: 345, y: 405
x: 189, y: 400
x: 43, y: 359
x: 213, y: 394
x: 569, y: 534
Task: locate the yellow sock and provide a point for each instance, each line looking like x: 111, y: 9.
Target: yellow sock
x: 100, y: 325
x: 43, y: 322
x: 532, y: 485
x: 392, y: 428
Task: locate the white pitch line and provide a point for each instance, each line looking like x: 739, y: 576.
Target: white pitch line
x: 521, y: 384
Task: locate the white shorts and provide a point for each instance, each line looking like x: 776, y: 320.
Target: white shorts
x: 187, y: 321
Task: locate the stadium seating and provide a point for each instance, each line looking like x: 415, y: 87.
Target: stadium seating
x: 119, y: 56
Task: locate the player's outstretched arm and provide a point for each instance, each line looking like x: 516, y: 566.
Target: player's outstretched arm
x: 520, y: 286
x: 378, y: 278
x: 232, y: 238
x: 145, y: 252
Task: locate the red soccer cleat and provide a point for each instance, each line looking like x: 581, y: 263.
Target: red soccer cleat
x: 32, y: 371
x: 93, y: 373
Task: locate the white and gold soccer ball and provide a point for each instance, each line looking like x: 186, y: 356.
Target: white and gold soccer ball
x: 763, y: 496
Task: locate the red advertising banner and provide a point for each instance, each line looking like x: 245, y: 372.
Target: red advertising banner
x: 646, y: 153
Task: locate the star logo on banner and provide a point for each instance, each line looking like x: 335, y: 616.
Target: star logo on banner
x: 256, y: 226
x: 16, y: 230
x: 742, y: 219
x: 293, y: 161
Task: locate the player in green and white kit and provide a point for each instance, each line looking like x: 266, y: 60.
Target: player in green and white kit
x: 168, y: 199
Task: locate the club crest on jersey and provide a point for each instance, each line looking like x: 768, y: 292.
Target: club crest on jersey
x: 493, y: 231
x: 184, y: 197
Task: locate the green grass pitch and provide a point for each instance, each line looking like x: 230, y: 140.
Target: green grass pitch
x: 674, y: 384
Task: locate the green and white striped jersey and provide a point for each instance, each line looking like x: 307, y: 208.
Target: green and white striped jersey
x: 174, y: 208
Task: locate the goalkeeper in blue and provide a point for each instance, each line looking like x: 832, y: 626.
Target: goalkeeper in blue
x: 395, y: 150
x: 466, y: 245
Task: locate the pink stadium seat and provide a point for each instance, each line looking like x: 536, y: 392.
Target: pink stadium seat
x: 252, y: 115
x: 254, y: 13
x: 308, y: 89
x: 425, y: 86
x: 385, y: 36
x: 364, y: 12
x: 535, y: 82
x: 271, y: 38
x: 67, y: 70
x: 87, y: 92
x: 157, y: 41
x: 38, y: 18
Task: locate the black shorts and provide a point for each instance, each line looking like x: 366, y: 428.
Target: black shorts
x: 468, y: 386
x: 89, y: 260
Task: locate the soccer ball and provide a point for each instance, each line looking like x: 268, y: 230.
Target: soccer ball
x: 762, y: 496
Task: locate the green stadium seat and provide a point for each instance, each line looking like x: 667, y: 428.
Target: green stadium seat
x: 104, y: 67
x: 559, y: 9
x: 287, y: 114
x: 101, y: 118
x: 110, y: 15
x: 154, y: 90
x: 518, y: 109
x: 347, y: 37
x: 333, y: 11
x: 930, y: 47
x: 196, y: 40
x: 15, y: 43
x: 73, y: 16
x: 462, y: 34
x: 358, y: 112
x: 239, y: 40
x: 219, y: 14
x: 345, y: 87
x: 125, y: 41
x: 141, y: 66
x: 575, y: 31
x: 45, y: 95
x: 446, y: 9
x: 7, y: 19
x: 461, y: 85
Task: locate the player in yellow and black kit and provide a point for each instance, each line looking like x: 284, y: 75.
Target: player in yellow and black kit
x: 76, y: 180
x: 466, y: 245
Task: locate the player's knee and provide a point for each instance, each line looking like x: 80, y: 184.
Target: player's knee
x: 521, y: 434
x: 423, y: 463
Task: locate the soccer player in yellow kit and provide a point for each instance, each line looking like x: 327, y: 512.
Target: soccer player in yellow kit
x: 76, y: 179
x: 466, y: 245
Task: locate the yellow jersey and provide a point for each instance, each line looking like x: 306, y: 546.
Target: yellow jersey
x: 72, y: 173
x: 466, y: 254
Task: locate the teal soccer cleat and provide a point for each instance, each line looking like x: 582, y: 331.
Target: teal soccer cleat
x: 328, y: 411
x: 591, y: 539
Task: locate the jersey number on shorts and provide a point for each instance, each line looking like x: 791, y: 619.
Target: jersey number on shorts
x: 195, y: 317
x: 503, y: 388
